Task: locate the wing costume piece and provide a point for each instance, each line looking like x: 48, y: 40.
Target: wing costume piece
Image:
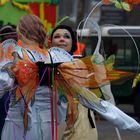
x: 26, y: 74
x: 26, y: 71
x: 73, y: 77
x: 90, y: 73
x: 87, y: 73
x: 77, y: 77
x: 75, y: 90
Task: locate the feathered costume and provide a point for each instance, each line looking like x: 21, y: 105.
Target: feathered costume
x: 73, y: 78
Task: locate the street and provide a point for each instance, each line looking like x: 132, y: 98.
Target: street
x: 107, y: 132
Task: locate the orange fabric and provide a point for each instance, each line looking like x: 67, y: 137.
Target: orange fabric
x: 86, y: 74
x: 26, y: 73
x: 27, y: 77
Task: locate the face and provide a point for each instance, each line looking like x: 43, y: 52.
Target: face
x: 62, y: 39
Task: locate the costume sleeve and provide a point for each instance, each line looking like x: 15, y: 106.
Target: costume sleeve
x: 107, y: 93
x: 113, y: 114
x: 6, y: 82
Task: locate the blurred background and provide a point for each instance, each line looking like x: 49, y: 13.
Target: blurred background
x: 51, y: 11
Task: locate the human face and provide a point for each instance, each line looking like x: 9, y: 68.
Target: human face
x: 62, y: 39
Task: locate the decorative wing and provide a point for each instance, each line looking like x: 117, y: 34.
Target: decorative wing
x: 76, y: 78
x: 59, y: 55
x: 26, y: 71
x: 26, y: 74
x: 90, y: 72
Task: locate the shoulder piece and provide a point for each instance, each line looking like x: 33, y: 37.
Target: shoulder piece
x: 59, y: 55
x: 39, y: 56
x: 9, y: 42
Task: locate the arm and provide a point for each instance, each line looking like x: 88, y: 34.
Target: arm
x: 113, y: 114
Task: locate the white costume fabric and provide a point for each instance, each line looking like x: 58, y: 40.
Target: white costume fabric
x: 39, y: 115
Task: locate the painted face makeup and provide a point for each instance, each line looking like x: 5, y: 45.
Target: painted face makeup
x: 62, y: 39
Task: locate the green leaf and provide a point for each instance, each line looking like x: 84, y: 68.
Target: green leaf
x: 126, y: 6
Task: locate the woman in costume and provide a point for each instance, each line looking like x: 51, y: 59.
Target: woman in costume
x: 29, y: 114
x: 34, y: 102
x: 60, y: 37
x: 64, y: 37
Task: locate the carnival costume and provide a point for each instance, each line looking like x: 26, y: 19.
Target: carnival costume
x: 29, y: 115
x: 35, y: 103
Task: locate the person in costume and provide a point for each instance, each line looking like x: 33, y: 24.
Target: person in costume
x: 84, y: 119
x: 7, y: 32
x: 64, y: 37
x: 29, y: 116
x: 36, y: 109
